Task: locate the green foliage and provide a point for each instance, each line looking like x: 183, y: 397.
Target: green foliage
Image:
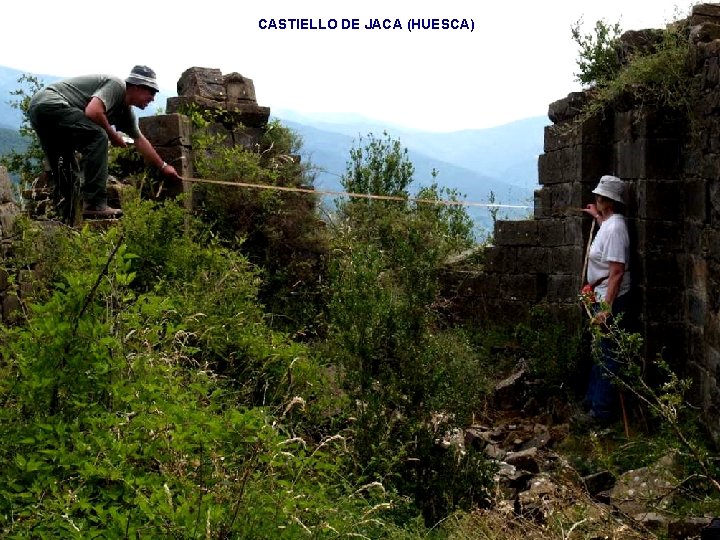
x: 402, y: 369
x: 653, y: 72
x: 115, y: 422
x: 673, y: 426
x: 597, y: 58
x: 380, y: 167
x: 277, y: 230
x: 27, y: 163
x: 551, y: 350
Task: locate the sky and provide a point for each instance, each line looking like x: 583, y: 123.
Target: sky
x: 518, y: 58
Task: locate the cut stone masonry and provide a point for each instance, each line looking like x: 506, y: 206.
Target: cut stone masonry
x: 671, y: 162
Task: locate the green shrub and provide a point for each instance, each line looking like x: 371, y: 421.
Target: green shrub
x: 277, y: 230
x: 597, y: 59
x: 115, y: 422
x: 657, y: 72
x: 401, y: 369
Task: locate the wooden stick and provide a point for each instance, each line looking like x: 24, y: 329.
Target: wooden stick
x: 587, y: 252
x: 624, y: 415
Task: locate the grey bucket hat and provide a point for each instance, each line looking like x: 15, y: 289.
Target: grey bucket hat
x: 612, y: 188
x: 143, y: 76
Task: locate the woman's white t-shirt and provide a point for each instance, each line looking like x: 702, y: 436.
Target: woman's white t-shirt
x: 611, y: 244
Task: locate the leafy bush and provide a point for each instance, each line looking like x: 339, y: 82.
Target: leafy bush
x: 654, y: 72
x: 402, y: 370
x: 277, y: 230
x: 116, y: 423
x: 597, y: 59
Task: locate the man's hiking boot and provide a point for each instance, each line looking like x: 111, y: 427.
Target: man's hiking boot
x: 100, y: 211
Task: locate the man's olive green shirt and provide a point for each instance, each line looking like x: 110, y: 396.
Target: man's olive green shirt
x: 78, y: 91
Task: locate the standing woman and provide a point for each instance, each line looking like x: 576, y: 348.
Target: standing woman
x: 609, y: 277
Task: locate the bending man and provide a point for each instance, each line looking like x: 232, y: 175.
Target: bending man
x: 82, y: 114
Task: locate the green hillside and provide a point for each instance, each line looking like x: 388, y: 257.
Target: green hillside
x: 10, y: 140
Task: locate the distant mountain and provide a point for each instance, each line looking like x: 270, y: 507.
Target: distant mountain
x: 330, y: 151
x: 501, y: 160
x: 504, y: 157
x: 10, y: 140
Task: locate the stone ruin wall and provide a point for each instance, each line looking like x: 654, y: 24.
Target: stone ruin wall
x: 239, y: 118
x: 672, y: 165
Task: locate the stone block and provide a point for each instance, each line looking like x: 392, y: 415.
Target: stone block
x: 559, y: 199
x: 660, y: 200
x: 696, y: 273
x: 658, y: 269
x: 710, y: 242
x: 247, y: 137
x: 551, y: 232
x: 232, y: 114
x: 6, y: 191
x: 659, y: 236
x: 247, y: 114
x: 567, y: 108
x: 542, y: 202
x: 181, y: 104
x: 179, y: 157
x: 206, y: 83
x: 706, y: 12
x: 220, y: 133
x: 528, y: 288
x: 534, y: 260
x: 502, y: 312
x: 10, y: 308
x: 563, y: 288
x: 4, y: 280
x: 713, y: 202
x: 9, y: 213
x: 647, y: 123
x: 502, y: 259
x: 697, y: 353
x: 577, y: 230
x: 516, y: 233
x: 710, y: 73
x: 567, y: 260
x: 239, y: 88
x: 713, y: 288
x: 624, y: 126
x: 687, y: 527
x: 696, y: 308
x: 592, y: 131
x: 486, y: 286
x: 695, y: 200
x: 665, y: 304
x: 167, y: 129
x: 647, y: 158
x: 581, y: 163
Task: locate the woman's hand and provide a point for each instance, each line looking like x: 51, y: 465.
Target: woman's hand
x: 592, y: 210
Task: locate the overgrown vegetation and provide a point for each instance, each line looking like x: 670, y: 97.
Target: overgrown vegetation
x: 253, y: 372
x: 164, y: 407
x: 406, y: 373
x: 653, y: 66
x: 147, y: 392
